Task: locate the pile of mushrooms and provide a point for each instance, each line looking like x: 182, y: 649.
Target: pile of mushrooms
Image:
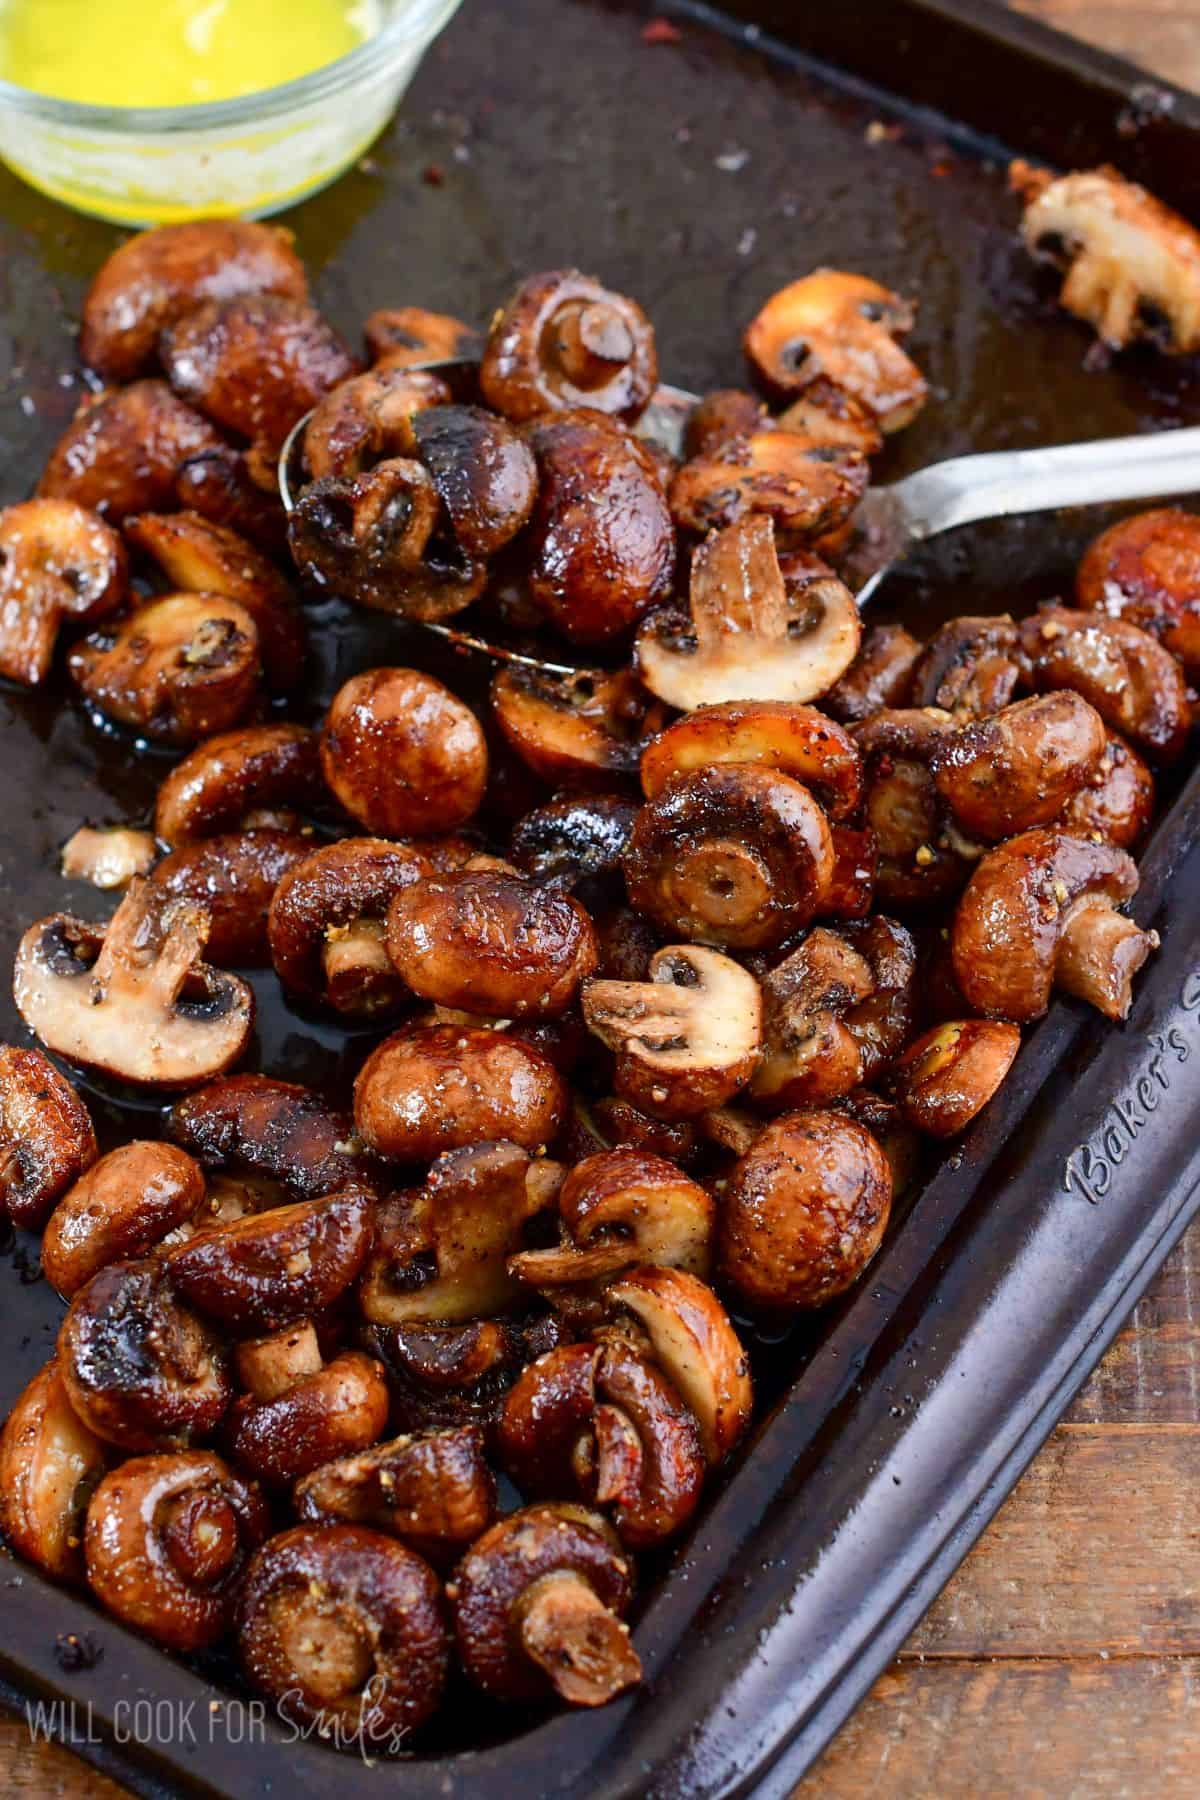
x: 647, y: 1057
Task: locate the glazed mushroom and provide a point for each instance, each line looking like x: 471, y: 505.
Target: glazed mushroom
x: 402, y: 754
x: 223, y: 485
x: 828, y: 414
x: 775, y: 734
x: 177, y: 669
x: 262, y: 774
x: 1135, y: 684
x: 747, y: 637
x: 47, y: 1139
x: 843, y: 327
x: 140, y: 1369
x: 199, y: 557
x: 577, y: 843
x: 880, y: 675
x: 732, y: 855
x: 133, y: 999
x: 407, y: 335
x: 538, y: 1607
x: 234, y: 877
x: 694, y: 1344
x: 368, y: 419
x: 441, y: 1250
x: 59, y: 564
x: 970, y: 667
x: 617, y: 1210
x: 1132, y: 266
x: 125, y: 1205
x: 300, y: 1411
x: 922, y: 859
x: 50, y: 1463
x: 718, y: 418
x: 258, y: 1273
x: 564, y: 341
x: 124, y: 450
x: 1146, y: 569
x: 687, y: 1038
x: 107, y: 856
x: 806, y: 486
x: 167, y: 1542
x: 273, y: 1130
x: 576, y: 731
x: 883, y: 1023
x: 429, y: 1089
x: 613, y: 1123
x: 950, y: 1073
x: 432, y: 1489
x: 803, y: 1212
x: 1040, y: 912
x: 850, y: 890
x: 1117, y: 805
x: 810, y: 1055
x: 1020, y: 767
x: 445, y: 1376
x: 153, y: 279
x: 599, y: 551
x: 327, y: 924
x: 492, y: 942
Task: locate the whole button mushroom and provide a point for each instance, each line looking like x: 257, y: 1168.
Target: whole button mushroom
x: 128, y: 1202
x: 50, y: 1463
x: 1146, y: 569
x: 492, y: 943
x: 618, y: 1209
x: 774, y: 734
x: 225, y: 486
x: 1135, y: 685
x: 343, y: 1628
x: 748, y: 635
x: 687, y: 1038
x: 1117, y: 805
x: 140, y: 1369
x: 327, y: 928
x: 402, y: 335
x: 157, y: 276
x: 133, y: 999
x: 238, y: 779
x: 167, y: 1542
x: 803, y: 1212
x: 805, y: 485
x: 970, y: 667
x: 432, y: 1489
x: 125, y: 449
x: 367, y: 419
x: 234, y: 877
x: 429, y: 1089
x: 694, y: 1345
x: 270, y: 1129
x: 880, y: 675
x: 47, y: 1139
x: 301, y: 1411
x: 1020, y: 767
x: 539, y: 1604
x: 402, y: 754
x: 950, y: 1073
x: 59, y: 563
x: 565, y: 341
x: 1040, y: 912
x: 584, y: 730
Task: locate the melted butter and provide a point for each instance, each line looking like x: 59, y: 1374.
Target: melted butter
x: 173, y: 52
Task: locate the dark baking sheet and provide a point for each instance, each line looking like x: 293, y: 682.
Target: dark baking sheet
x: 701, y: 176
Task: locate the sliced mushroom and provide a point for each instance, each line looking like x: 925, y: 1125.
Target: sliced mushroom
x: 124, y: 450
x: 432, y: 1489
x: 1132, y: 265
x: 850, y: 890
x: 108, y: 856
x: 880, y: 675
x: 1146, y: 569
x: 1117, y: 805
x: 882, y: 1023
x: 747, y: 637
x: 1135, y: 685
x: 233, y: 877
x: 1041, y: 912
x: 403, y: 335
x: 843, y: 327
x: 696, y: 1347
x: 429, y: 1089
x: 810, y: 1056
x: 828, y: 414
x: 806, y: 486
x: 167, y: 1542
x: 177, y: 669
x: 134, y: 998
x: 59, y: 563
x: 301, y: 1411
x: 47, y: 1139
x: 948, y: 1076
x: 970, y: 667
x: 50, y: 1463
x: 576, y: 731
x: 797, y: 740
x: 619, y: 1209
x: 538, y: 1607
x: 123, y: 1207
x: 403, y: 754
x: 326, y: 924
x: 687, y: 1038
x: 369, y: 418
x: 271, y: 1129
x: 1020, y: 767
x: 238, y: 779
x: 564, y: 341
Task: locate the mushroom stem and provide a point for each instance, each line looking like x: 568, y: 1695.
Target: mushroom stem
x: 581, y: 1646
x: 358, y: 972
x: 1099, y: 954
x: 269, y: 1366
x: 737, y: 585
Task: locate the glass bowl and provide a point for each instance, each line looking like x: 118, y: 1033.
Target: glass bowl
x: 253, y: 155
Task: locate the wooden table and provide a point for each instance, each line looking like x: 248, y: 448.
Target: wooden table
x: 1063, y: 1660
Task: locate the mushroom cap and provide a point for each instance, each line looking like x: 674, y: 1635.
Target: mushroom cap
x: 47, y: 1139
x: 58, y: 562
x: 49, y: 1463
x: 969, y: 666
x: 810, y: 1056
x: 949, y: 1074
x: 234, y: 877
x: 333, y: 889
x: 1020, y: 767
x: 403, y: 335
x: 806, y: 485
x: 575, y: 731
x: 403, y: 754
x: 880, y: 675
x: 695, y: 1345
x: 484, y: 473
x: 222, y: 781
x: 565, y: 341
x: 122, y: 1207
x: 775, y: 734
x: 428, y: 1089
x: 125, y: 449
x: 1135, y: 684
x: 329, y: 1411
x: 1118, y: 803
x: 1147, y: 569
x: 368, y: 418
x: 271, y: 1128
x: 433, y: 1489
x: 578, y: 842
x: 619, y: 1208
x: 177, y: 669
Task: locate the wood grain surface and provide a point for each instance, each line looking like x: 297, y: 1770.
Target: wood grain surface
x: 1063, y: 1660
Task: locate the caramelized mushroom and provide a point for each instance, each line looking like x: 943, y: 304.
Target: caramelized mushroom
x: 50, y: 1463
x: 843, y: 327
x: 1118, y: 803
x: 564, y: 341
x: 270, y: 1129
x: 687, y: 1038
x: 167, y: 1542
x: 124, y: 1206
x: 368, y: 418
x: 1146, y: 569
x: 107, y: 856
x: 403, y: 754
x: 124, y: 450
x: 289, y: 1262
x: 223, y: 485
x: 810, y: 1056
x: 432, y: 1489
x: 718, y: 418
x: 326, y: 924
x: 578, y: 842
x: 951, y: 1072
x: 1020, y: 767
x: 803, y: 1212
x: 970, y: 667
x: 58, y: 563
x: 233, y: 877
x: 880, y: 675
x: 343, y: 1628
x: 407, y: 335
x: 1041, y: 912
x: 694, y: 1344
x: 828, y: 414
x: 920, y: 858
x: 747, y: 637
x: 445, y: 1376
x: 133, y: 998
x: 46, y: 1135
x: 301, y: 1411
x: 238, y: 779
x: 434, y: 1088
x: 619, y: 1209
x: 804, y: 485
x: 177, y: 669
x: 576, y: 731
x: 1135, y: 685
x: 538, y: 1608
x: 797, y: 740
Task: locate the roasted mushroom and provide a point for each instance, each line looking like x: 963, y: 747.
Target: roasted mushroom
x: 828, y: 414
x: 167, y: 1542
x: 264, y: 774
x: 948, y: 1076
x: 327, y: 924
x: 1146, y: 569
x: 686, y: 1039
x: 810, y: 1055
x: 1020, y: 767
x: 970, y: 667
x: 126, y: 1204
x: 444, y: 1087
x: 46, y: 1135
x: 134, y: 998
x: 564, y: 341
x: 806, y: 486
x: 58, y: 563
x: 620, y: 1209
x: 107, y: 856
x: 301, y: 1411
x: 1135, y: 684
x: 223, y: 485
x: 577, y: 731
x: 775, y: 734
x: 273, y: 1130
x: 432, y: 1489
x: 747, y: 637
x: 403, y: 754
x: 177, y: 669
x: 50, y: 1463
x: 124, y: 450
x: 233, y: 877
x: 718, y: 418
x: 404, y: 335
x: 1118, y: 803
x: 576, y: 842
x: 693, y: 1343
x: 1041, y: 912
x: 442, y: 1376
x: 538, y: 1608
x: 880, y: 675
x: 921, y: 857
x: 368, y: 418
x: 843, y: 327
